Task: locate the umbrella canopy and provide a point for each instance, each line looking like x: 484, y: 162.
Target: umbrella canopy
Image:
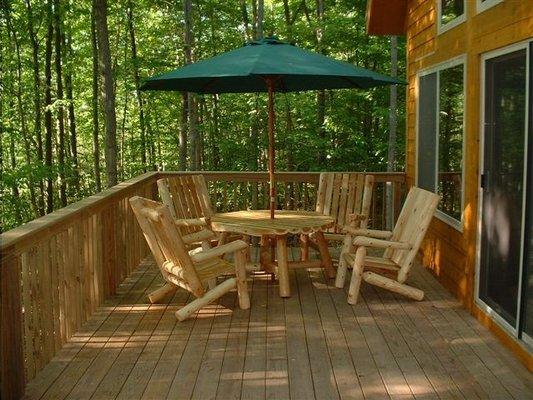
x: 267, y: 65
x: 243, y: 70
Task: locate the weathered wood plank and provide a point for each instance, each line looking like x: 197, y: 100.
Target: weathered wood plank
x: 311, y: 345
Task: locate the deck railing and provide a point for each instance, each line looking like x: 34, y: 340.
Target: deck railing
x: 56, y: 270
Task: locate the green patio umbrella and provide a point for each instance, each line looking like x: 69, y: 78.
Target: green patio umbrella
x: 267, y: 65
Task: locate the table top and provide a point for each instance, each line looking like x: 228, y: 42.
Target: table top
x: 258, y: 222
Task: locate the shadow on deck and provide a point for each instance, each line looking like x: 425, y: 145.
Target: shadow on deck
x: 312, y: 345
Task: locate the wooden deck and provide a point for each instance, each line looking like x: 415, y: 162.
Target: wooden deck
x: 312, y: 345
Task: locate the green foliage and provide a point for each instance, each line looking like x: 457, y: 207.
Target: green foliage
x: 356, y: 122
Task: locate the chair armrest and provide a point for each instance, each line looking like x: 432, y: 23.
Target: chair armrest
x: 199, y: 236
x: 381, y: 244
x: 368, y: 232
x: 218, y: 251
x: 191, y: 222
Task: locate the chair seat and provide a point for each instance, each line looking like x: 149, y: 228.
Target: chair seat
x: 374, y: 262
x: 213, y: 268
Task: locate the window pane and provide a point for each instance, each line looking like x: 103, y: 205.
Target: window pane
x: 451, y: 107
x: 427, y: 126
x: 451, y: 9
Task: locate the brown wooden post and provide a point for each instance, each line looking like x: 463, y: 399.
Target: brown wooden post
x: 109, y: 250
x: 11, y: 339
x: 397, y: 199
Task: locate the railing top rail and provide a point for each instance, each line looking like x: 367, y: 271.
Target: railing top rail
x: 281, y: 176
x: 19, y: 237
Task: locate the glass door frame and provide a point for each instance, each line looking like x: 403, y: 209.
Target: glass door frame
x: 514, y: 330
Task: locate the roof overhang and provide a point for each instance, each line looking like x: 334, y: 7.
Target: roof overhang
x: 386, y: 17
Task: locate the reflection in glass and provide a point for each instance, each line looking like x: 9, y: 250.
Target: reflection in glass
x: 505, y: 101
x: 451, y: 9
x: 451, y: 107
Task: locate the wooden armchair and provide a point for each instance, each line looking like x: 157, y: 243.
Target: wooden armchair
x: 188, y: 201
x: 400, y: 247
x: 345, y: 197
x: 191, y: 270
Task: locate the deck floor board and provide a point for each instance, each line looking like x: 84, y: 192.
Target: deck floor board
x: 311, y: 345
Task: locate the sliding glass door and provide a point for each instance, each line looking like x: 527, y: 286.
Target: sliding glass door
x: 505, y: 248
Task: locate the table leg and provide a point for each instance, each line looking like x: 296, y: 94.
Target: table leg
x: 304, y: 247
x: 324, y: 254
x: 283, y: 267
x: 246, y: 239
x: 263, y: 251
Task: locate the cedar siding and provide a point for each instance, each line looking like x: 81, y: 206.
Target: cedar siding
x: 448, y: 252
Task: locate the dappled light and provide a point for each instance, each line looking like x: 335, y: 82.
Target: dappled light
x: 313, y: 342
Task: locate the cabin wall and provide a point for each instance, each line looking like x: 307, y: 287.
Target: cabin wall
x: 448, y: 252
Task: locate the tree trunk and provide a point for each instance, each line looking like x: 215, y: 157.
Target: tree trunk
x: 183, y: 131
x: 191, y: 98
x: 75, y: 180
x: 259, y: 20
x: 96, y: 128
x: 137, y: 79
x: 14, y: 187
x: 245, y: 21
x: 60, y: 109
x: 391, y: 156
x: 36, y: 97
x: 288, y: 19
x: 216, y: 134
x: 48, y: 111
x: 321, y: 94
x: 108, y: 92
x: 12, y: 35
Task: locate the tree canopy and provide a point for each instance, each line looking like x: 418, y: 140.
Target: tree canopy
x: 72, y: 116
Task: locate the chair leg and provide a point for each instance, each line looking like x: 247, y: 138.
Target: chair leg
x: 393, y: 286
x: 162, y: 292
x: 343, y: 265
x: 357, y: 275
x: 184, y: 312
x: 242, y: 285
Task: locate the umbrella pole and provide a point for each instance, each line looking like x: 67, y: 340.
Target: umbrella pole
x: 271, y: 144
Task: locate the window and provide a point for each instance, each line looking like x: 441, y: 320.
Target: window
x: 451, y: 13
x: 483, y: 5
x: 440, y: 137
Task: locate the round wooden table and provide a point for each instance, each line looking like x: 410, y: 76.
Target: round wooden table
x: 274, y: 232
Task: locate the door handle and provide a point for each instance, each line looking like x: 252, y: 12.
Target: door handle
x: 484, y: 181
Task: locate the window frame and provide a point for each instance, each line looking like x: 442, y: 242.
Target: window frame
x: 482, y: 6
x: 441, y: 28
x: 459, y: 60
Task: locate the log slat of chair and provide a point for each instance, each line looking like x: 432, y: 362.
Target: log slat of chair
x: 192, y: 270
x: 346, y: 197
x: 188, y: 200
x: 400, y: 248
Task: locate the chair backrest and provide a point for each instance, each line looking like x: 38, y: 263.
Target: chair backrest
x: 342, y: 194
x: 411, y: 227
x: 166, y: 244
x: 187, y: 197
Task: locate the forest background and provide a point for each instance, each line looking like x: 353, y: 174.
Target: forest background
x: 73, y: 121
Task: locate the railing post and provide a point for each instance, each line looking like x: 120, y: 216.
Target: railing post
x: 397, y: 199
x: 11, y: 339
